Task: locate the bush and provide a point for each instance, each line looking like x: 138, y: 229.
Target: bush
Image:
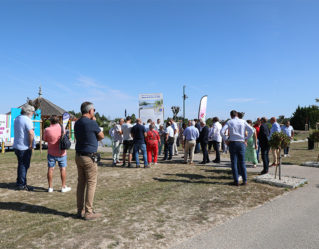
x: 279, y: 140
x: 314, y: 136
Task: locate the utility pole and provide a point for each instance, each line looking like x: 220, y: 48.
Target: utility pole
x: 184, y: 98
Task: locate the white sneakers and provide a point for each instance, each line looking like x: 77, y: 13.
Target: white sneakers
x: 63, y: 190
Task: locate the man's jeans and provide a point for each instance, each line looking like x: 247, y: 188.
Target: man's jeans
x: 140, y: 146
x: 160, y: 147
x: 286, y: 150
x: 216, y: 146
x: 265, y: 157
x: 237, y: 155
x: 24, y: 158
x: 205, y: 152
x: 168, y: 150
x: 116, y: 148
x: 258, y: 150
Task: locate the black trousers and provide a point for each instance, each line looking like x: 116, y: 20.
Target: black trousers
x: 265, y: 157
x: 205, y: 153
x: 216, y: 148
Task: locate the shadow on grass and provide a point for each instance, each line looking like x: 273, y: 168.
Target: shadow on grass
x: 190, y: 181
x: 218, y: 171
x: 13, y: 186
x: 36, y: 209
x: 196, y: 176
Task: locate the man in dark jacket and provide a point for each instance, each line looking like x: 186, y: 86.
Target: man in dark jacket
x: 203, y: 139
x: 197, y: 146
x: 264, y: 145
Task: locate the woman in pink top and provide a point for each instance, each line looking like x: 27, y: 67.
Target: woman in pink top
x: 52, y: 136
x: 152, y: 142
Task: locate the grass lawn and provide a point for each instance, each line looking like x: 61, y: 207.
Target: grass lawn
x: 299, y: 154
x: 142, y: 208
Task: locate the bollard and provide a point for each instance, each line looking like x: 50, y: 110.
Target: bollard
x: 2, y: 148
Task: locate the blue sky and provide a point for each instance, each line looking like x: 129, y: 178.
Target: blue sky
x: 256, y: 56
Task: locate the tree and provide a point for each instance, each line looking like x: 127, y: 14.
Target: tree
x: 133, y: 118
x: 305, y: 115
x: 175, y: 110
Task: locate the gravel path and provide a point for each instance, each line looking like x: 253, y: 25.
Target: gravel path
x: 290, y: 221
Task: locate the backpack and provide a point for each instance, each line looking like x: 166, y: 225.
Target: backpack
x: 65, y: 143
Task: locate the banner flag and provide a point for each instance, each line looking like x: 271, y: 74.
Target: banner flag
x: 65, y: 119
x: 202, y: 108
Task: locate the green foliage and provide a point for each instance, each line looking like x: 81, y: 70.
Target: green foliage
x: 133, y: 118
x: 77, y: 115
x: 304, y: 115
x: 279, y: 140
x: 102, y: 121
x: 314, y: 136
x: 209, y: 122
x: 46, y: 123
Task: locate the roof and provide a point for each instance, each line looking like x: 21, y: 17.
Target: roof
x: 47, y: 107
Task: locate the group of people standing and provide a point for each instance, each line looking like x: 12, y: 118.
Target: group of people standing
x: 149, y: 139
x: 242, y: 138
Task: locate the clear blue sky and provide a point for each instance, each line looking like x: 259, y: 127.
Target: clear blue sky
x: 256, y: 56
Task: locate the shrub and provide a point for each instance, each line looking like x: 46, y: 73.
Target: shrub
x: 314, y: 136
x: 279, y: 140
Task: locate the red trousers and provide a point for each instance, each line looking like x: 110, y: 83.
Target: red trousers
x: 152, y: 148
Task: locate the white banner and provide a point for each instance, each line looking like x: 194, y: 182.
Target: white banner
x: 151, y: 107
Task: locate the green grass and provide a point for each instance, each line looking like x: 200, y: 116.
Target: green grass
x: 142, y: 208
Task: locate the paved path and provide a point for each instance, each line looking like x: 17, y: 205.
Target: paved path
x: 288, y: 222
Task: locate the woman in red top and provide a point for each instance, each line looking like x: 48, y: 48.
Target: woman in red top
x: 152, y: 142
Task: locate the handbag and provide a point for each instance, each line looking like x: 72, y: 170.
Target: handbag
x: 64, y: 143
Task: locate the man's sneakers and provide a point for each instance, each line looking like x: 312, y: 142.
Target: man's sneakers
x: 65, y: 189
x: 50, y: 190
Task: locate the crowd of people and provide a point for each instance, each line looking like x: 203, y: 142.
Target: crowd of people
x: 243, y: 139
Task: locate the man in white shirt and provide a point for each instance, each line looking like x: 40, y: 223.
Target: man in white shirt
x: 289, y: 131
x: 169, y: 141
x: 237, y: 142
x: 217, y: 138
x: 175, y: 128
x: 157, y: 125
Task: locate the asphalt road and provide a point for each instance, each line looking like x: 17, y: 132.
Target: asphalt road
x: 288, y: 222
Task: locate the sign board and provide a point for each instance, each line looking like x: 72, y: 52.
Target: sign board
x: 151, y: 107
x: 65, y: 119
x: 4, y: 128
x: 15, y: 112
